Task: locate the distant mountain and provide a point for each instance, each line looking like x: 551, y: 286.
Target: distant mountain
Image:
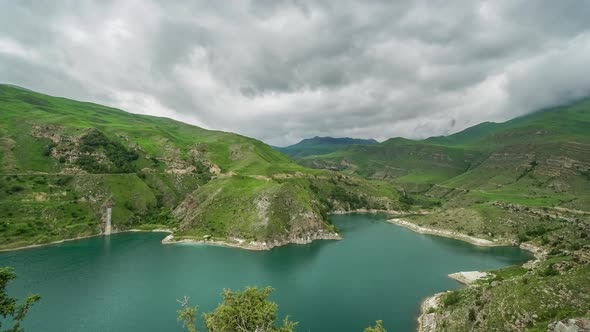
x: 321, y: 145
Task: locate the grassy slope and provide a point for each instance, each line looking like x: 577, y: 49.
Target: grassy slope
x: 540, y: 159
x: 400, y: 159
x: 148, y: 166
x: 533, y: 186
x: 518, y: 299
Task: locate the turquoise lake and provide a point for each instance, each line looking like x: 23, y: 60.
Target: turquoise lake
x: 130, y: 281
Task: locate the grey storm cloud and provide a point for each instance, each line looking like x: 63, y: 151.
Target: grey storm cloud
x: 281, y: 71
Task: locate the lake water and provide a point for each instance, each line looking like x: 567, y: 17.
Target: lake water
x: 130, y: 282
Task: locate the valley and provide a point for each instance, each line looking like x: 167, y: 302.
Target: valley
x: 524, y: 183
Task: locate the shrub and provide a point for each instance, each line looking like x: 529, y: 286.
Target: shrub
x: 47, y: 149
x: 15, y: 189
x: 63, y: 180
x: 354, y: 201
x: 40, y: 180
x: 249, y: 310
x: 89, y: 164
x: 121, y: 157
x: 523, y: 237
x: 537, y: 231
x: 471, y: 316
x: 549, y: 271
x: 406, y: 199
x: 451, y: 299
x: 377, y: 328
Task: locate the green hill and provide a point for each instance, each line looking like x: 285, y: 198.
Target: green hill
x: 321, y: 145
x: 541, y: 158
x: 62, y: 160
x: 399, y: 158
x: 515, y: 181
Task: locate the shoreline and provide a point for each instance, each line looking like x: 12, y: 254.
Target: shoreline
x: 268, y: 245
x: 253, y: 245
x: 33, y: 246
x: 446, y: 233
x: 226, y: 243
x: 538, y: 252
x: 427, y: 321
x: 380, y: 211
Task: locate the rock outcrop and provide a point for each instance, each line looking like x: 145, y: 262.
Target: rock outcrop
x: 570, y: 325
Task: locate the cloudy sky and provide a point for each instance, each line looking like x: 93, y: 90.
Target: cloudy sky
x: 281, y: 71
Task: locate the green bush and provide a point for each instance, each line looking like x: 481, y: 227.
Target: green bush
x: 122, y: 159
x: 47, y: 149
x: 471, y: 316
x: 549, y: 271
x: 451, y: 299
x: 89, y: 164
x: 15, y: 189
x: 249, y: 310
x: 523, y: 237
x: 406, y: 199
x: 354, y: 201
x: 63, y: 180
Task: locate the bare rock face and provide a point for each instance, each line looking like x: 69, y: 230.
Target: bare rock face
x: 570, y: 325
x: 235, y: 152
x: 428, y: 322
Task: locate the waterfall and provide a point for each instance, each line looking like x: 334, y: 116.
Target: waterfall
x: 107, y: 226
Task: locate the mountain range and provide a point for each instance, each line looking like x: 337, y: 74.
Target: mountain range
x: 321, y: 145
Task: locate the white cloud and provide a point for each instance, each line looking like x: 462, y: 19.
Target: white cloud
x: 13, y: 48
x: 285, y: 70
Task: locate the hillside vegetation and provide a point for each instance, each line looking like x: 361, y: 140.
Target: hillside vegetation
x: 63, y: 161
x: 542, y: 159
x: 522, y: 182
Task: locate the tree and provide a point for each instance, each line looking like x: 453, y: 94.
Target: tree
x: 245, y: 311
x: 187, y: 315
x: 8, y: 305
x: 377, y: 328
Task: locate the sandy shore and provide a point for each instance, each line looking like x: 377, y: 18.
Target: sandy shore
x: 253, y: 245
x: 445, y: 233
x: 49, y: 243
x: 83, y: 237
x: 365, y: 211
x: 469, y: 277
x: 377, y: 211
